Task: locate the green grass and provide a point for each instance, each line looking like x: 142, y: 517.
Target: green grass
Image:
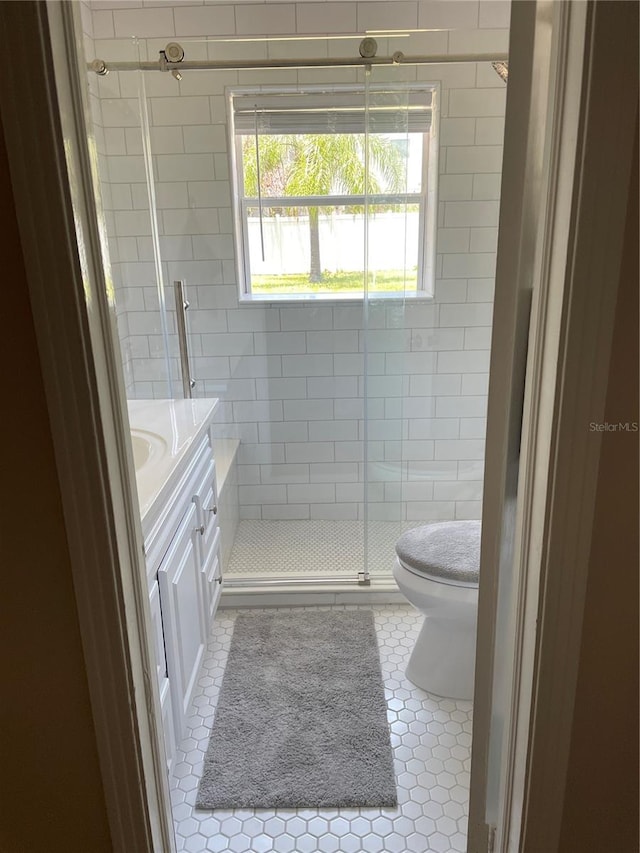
x: 338, y: 282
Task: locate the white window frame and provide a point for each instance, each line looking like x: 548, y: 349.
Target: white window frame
x: 427, y: 200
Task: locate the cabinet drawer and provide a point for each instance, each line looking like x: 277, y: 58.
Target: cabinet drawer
x: 211, y: 536
x: 205, y: 499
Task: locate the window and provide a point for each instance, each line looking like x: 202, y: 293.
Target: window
x: 307, y: 179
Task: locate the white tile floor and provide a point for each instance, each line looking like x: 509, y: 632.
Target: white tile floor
x: 313, y: 548
x: 431, y: 740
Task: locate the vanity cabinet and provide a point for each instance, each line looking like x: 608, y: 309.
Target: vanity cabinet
x: 184, y: 579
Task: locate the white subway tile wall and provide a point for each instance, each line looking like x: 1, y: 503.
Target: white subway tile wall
x: 291, y: 378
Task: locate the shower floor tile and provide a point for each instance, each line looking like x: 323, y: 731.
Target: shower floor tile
x: 431, y: 740
x: 313, y: 548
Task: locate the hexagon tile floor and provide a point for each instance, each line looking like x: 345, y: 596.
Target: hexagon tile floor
x: 431, y: 740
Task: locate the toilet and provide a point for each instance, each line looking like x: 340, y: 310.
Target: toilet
x: 437, y: 570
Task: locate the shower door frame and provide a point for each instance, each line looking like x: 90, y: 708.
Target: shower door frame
x: 75, y: 336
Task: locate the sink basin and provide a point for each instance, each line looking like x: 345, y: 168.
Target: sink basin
x: 145, y: 446
x: 162, y: 432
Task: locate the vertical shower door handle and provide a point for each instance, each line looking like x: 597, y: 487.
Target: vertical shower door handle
x: 181, y: 324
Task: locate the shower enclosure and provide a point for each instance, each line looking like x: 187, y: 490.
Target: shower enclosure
x: 314, y: 245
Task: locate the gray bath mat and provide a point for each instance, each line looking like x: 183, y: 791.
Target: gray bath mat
x: 301, y: 720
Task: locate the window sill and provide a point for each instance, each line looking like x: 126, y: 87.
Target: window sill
x: 308, y: 298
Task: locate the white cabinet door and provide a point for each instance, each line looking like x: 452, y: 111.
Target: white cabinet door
x: 179, y: 577
x: 162, y: 673
x: 158, y: 633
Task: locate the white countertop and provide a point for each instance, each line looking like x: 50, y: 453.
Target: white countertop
x: 162, y: 432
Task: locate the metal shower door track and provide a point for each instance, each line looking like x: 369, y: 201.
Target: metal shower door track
x: 102, y: 67
x: 362, y: 579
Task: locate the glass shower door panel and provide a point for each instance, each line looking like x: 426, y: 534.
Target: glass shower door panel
x: 273, y: 272
x: 118, y: 124
x: 392, y: 261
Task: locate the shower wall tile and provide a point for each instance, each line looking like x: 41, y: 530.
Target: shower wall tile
x: 455, y: 266
x: 254, y: 320
x: 460, y: 407
x: 306, y: 319
x: 262, y: 494
x: 473, y: 159
x: 443, y: 14
x: 309, y: 451
x: 331, y: 387
x: 479, y: 41
x: 283, y: 512
x: 278, y: 474
x: 468, y: 315
x: 471, y: 361
x: 120, y: 112
x: 308, y: 410
x: 431, y: 511
x: 334, y: 511
x: 462, y: 449
x: 427, y: 428
x: 287, y: 431
x: 477, y: 338
x: 313, y: 18
x: 335, y: 430
x: 184, y: 167
x: 279, y: 343
x: 306, y: 365
x: 383, y: 16
x: 204, y: 21
x: 473, y: 427
x: 261, y: 19
x: 291, y: 376
x: 282, y: 389
x: 468, y: 510
x: 486, y: 186
x: 489, y: 131
x: 312, y: 493
x: 495, y: 13
x: 477, y: 102
x: 151, y: 22
x: 457, y: 131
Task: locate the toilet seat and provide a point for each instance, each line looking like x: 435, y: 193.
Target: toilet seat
x: 445, y: 552
x: 421, y: 573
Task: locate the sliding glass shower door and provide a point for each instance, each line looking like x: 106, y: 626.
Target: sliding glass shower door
x: 398, y: 306
x: 286, y: 235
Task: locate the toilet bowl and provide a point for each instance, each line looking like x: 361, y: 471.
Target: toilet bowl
x: 437, y: 570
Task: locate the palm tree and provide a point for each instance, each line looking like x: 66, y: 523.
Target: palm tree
x: 321, y: 165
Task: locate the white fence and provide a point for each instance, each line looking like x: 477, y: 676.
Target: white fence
x: 393, y: 242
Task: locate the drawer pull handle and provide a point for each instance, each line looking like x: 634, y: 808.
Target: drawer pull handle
x: 213, y: 509
x: 200, y: 530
